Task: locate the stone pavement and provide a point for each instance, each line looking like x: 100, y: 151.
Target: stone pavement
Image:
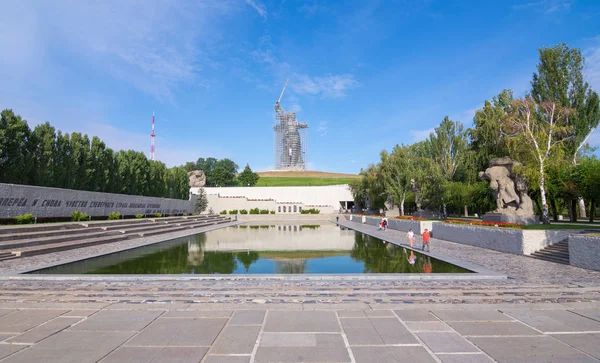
x: 180, y: 333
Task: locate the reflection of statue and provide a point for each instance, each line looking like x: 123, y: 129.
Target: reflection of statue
x: 195, y: 254
x: 510, y: 191
x: 197, y: 178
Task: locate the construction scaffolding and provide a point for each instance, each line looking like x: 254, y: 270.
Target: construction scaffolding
x: 290, y: 139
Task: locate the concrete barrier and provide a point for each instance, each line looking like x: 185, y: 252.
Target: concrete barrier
x: 55, y: 202
x: 517, y: 241
x: 584, y: 251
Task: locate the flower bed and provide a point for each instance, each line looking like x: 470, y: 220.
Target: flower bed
x: 484, y: 224
x: 411, y: 218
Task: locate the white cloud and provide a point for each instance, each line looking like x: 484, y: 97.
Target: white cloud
x: 592, y: 68
x: 322, y: 129
x: 154, y: 46
x: 420, y: 135
x: 331, y: 86
x: 260, y: 8
x: 546, y: 6
x: 466, y: 117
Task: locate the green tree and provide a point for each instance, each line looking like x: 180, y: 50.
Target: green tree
x: 397, y: 170
x: 247, y: 177
x: 486, y: 140
x: 223, y: 173
x: 587, y: 179
x: 201, y: 201
x: 16, y: 160
x: 44, y: 153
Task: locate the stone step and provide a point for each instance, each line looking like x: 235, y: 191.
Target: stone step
x: 64, y: 246
x: 39, y: 234
x: 552, y: 258
x: 38, y: 228
x: 174, y: 228
x: 11, y: 245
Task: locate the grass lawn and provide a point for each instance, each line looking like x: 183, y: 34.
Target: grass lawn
x: 562, y: 226
x: 300, y: 181
x: 593, y: 234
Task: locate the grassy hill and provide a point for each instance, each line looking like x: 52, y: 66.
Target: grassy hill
x: 302, y: 178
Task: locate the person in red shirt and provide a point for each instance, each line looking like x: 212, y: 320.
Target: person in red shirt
x: 426, y: 237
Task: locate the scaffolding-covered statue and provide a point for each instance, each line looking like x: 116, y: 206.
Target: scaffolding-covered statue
x: 290, y: 148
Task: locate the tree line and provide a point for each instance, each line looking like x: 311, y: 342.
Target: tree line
x: 47, y: 157
x: 547, y: 130
x: 222, y: 173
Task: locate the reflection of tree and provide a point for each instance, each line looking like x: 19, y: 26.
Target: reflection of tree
x: 380, y: 257
x: 175, y: 260
x: 247, y: 258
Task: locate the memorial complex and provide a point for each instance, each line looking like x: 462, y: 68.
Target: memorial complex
x: 436, y: 216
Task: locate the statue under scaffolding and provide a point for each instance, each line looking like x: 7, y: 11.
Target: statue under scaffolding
x: 290, y: 143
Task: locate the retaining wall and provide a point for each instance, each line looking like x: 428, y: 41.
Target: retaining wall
x: 418, y: 227
x: 55, y: 202
x: 584, y: 251
x: 517, y: 241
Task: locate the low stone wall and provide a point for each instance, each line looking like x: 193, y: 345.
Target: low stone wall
x: 584, y: 251
x: 418, y: 227
x: 517, y: 241
x: 55, y: 202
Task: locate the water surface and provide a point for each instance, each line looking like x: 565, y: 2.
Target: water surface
x: 265, y: 249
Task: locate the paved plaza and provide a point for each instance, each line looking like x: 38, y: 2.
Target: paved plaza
x: 190, y: 333
x: 542, y: 312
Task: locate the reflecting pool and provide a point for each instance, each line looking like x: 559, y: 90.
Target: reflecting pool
x: 322, y: 248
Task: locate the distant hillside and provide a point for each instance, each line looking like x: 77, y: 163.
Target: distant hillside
x: 304, y: 174
x: 302, y: 178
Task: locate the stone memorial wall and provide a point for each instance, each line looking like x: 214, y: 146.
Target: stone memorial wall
x: 54, y: 202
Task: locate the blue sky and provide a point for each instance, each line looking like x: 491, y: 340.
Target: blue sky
x: 365, y: 75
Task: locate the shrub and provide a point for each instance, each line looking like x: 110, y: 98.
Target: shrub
x: 233, y: 211
x: 310, y: 211
x: 139, y: 216
x: 114, y: 215
x: 78, y: 216
x: 243, y: 211
x: 157, y: 215
x: 185, y: 214
x: 254, y: 211
x: 223, y: 211
x: 272, y: 212
x: 264, y: 211
x: 27, y: 218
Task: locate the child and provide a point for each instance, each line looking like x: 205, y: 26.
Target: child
x: 426, y: 236
x: 411, y: 236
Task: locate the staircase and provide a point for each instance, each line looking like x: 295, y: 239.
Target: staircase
x: 558, y: 252
x: 24, y: 241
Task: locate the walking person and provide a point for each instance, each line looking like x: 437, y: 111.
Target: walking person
x: 426, y: 237
x: 411, y: 237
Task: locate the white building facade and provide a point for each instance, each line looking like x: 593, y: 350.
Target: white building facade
x: 282, y: 200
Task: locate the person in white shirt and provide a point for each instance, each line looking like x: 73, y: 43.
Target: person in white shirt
x: 411, y: 237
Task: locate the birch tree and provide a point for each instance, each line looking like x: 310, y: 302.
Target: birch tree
x: 559, y: 78
x: 537, y: 133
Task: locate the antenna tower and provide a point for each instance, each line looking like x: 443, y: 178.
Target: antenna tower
x: 152, y: 135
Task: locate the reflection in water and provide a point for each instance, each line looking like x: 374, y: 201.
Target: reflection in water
x: 281, y: 249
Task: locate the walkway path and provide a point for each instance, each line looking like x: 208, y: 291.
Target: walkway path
x: 191, y: 333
